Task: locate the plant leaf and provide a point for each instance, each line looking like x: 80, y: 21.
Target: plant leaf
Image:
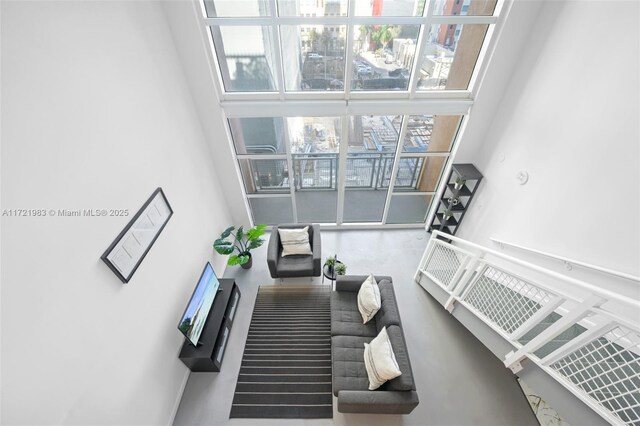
x: 254, y: 244
x: 243, y: 258
x: 227, y: 232
x: 223, y: 246
x: 240, y: 234
x: 256, y: 232
x: 234, y: 260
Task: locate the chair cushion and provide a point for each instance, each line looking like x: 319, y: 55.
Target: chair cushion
x: 349, y: 372
x: 295, y: 266
x: 345, y: 317
x: 388, y: 313
x: 295, y: 241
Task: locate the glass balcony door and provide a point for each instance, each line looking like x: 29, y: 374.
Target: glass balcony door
x: 315, y: 147
x: 295, y: 169
x: 370, y: 157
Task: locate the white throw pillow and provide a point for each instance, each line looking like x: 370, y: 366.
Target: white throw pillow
x: 380, y: 361
x: 295, y: 241
x: 369, y: 299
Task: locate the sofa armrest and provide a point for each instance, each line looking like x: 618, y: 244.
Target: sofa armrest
x: 272, y: 251
x: 379, y: 402
x: 316, y: 250
x: 353, y: 282
x: 349, y: 283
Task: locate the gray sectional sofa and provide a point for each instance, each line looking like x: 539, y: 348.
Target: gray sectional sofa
x: 348, y: 336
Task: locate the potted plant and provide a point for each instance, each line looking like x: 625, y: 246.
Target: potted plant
x: 341, y: 268
x: 459, y: 182
x: 240, y: 241
x: 330, y: 263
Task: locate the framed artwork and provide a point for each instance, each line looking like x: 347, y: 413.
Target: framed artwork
x: 127, y: 251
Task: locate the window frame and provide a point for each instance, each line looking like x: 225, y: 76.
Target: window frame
x: 344, y: 104
x: 425, y: 22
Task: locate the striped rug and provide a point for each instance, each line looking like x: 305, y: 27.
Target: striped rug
x: 286, y: 366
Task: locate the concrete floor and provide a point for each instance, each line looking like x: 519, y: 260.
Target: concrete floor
x: 459, y: 381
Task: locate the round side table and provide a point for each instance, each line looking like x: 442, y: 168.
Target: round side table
x: 329, y: 273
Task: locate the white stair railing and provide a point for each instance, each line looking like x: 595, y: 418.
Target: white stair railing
x: 574, y: 336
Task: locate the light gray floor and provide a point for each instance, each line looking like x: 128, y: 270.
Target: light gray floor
x: 459, y: 381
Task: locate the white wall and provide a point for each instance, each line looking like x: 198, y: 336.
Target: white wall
x: 569, y: 117
x: 96, y: 113
x: 189, y: 35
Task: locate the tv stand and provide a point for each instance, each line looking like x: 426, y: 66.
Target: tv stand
x: 208, y: 354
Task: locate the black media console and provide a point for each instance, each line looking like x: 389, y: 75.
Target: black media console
x: 215, y: 334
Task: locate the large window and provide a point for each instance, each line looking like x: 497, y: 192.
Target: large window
x: 340, y: 46
x: 360, y: 101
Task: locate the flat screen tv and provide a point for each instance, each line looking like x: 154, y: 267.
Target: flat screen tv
x: 195, y: 316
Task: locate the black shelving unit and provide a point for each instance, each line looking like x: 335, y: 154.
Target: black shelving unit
x: 207, y: 356
x: 462, y: 185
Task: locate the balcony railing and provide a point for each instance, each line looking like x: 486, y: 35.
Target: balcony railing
x: 320, y: 172
x: 572, y: 330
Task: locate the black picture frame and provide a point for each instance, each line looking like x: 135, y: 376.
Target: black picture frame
x: 138, y: 232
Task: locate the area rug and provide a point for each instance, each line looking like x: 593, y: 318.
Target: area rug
x: 286, y: 366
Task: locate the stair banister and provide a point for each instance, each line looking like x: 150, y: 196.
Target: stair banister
x: 607, y: 294
x: 608, y: 344
x: 536, y: 318
x: 513, y: 359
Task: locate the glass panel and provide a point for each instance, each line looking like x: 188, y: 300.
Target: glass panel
x: 389, y: 7
x: 364, y: 205
x: 264, y: 176
x: 428, y: 133
x: 246, y: 58
x: 236, y: 8
x: 409, y: 170
x: 464, y: 7
x: 312, y: 8
x: 316, y: 171
x: 272, y: 210
x: 314, y: 150
x: 383, y: 56
x: 374, y: 133
x: 320, y: 50
x: 419, y: 173
x: 317, y: 206
x: 408, y: 208
x: 310, y: 135
x: 258, y: 135
x: 450, y: 56
x: 372, y: 144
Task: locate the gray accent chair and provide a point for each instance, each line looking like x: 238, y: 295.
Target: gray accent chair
x: 348, y: 336
x: 295, y: 265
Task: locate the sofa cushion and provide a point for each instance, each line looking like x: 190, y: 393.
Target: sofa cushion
x: 379, y: 360
x: 368, y: 299
x: 295, y: 266
x: 349, y: 372
x: 404, y: 382
x: 345, y: 317
x: 388, y: 313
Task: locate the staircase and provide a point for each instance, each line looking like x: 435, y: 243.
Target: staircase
x: 569, y: 330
